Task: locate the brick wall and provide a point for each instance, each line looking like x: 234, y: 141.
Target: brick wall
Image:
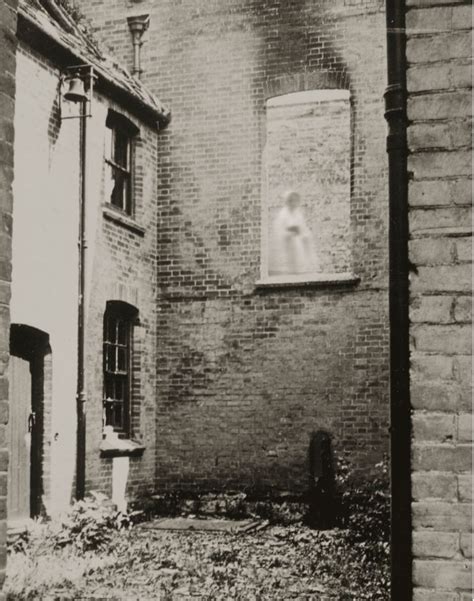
x: 7, y: 98
x: 120, y: 266
x: 245, y: 375
x: 439, y: 105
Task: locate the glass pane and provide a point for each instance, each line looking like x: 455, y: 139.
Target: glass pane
x: 118, y: 192
x: 109, y: 330
x: 118, y: 419
x: 122, y: 332
x: 122, y: 359
x: 121, y: 148
x: 110, y: 358
x: 109, y: 415
x: 119, y: 389
x: 109, y: 388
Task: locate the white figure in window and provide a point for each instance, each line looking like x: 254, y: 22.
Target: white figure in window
x: 292, y: 239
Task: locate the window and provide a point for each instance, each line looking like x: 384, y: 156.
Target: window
x: 119, y: 160
x: 119, y: 320
x: 306, y: 168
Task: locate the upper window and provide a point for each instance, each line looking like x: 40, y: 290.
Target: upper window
x: 119, y: 319
x: 306, y: 187
x: 119, y: 159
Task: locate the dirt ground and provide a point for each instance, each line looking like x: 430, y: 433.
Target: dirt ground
x: 278, y: 562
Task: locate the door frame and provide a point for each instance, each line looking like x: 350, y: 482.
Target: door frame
x: 32, y: 345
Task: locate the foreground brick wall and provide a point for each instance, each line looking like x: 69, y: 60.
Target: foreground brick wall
x: 7, y: 98
x: 245, y: 375
x: 439, y: 79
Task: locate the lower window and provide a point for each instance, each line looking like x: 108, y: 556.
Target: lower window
x: 119, y: 319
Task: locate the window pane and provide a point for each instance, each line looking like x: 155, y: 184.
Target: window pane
x: 118, y: 416
x: 120, y: 389
x: 122, y: 332
x: 122, y: 359
x: 121, y: 149
x: 117, y: 197
x: 110, y: 330
x: 110, y: 358
x: 109, y: 388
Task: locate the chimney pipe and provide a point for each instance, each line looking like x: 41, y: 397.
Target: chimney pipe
x: 137, y: 25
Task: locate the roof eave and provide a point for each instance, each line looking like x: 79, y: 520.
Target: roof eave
x: 32, y: 34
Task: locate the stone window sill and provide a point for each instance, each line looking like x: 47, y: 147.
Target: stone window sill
x: 121, y: 448
x: 120, y: 218
x: 317, y: 280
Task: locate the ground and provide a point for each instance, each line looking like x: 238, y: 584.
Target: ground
x: 278, y: 562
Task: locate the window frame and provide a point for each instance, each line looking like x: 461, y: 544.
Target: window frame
x: 118, y: 124
x: 118, y: 312
x: 316, y: 277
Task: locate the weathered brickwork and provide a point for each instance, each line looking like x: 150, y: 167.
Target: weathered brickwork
x: 439, y: 108
x: 7, y: 101
x: 245, y: 375
x: 120, y: 266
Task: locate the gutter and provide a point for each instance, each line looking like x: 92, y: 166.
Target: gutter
x: 400, y: 409
x: 31, y: 33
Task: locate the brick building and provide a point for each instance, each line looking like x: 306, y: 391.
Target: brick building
x: 235, y: 362
x: 119, y: 186
x: 439, y: 195
x: 265, y: 96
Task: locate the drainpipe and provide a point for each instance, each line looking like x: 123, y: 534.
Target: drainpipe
x: 81, y: 321
x: 400, y: 418
x: 138, y: 25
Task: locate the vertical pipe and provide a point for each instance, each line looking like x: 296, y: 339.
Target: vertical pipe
x: 81, y: 393
x: 400, y: 419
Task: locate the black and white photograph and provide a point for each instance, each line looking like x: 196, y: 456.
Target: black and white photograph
x: 236, y: 300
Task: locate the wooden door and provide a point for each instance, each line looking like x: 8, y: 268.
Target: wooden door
x: 19, y: 467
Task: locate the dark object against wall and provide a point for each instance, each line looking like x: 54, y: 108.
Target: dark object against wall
x: 321, y: 509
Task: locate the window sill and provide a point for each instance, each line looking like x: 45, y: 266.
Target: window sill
x: 121, y: 448
x: 317, y: 280
x: 116, y: 216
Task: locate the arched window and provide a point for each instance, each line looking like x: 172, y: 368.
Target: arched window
x: 119, y: 320
x: 119, y: 159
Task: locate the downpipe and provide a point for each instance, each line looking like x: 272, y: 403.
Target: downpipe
x: 400, y: 415
x: 81, y: 320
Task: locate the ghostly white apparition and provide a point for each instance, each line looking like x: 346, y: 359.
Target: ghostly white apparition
x: 291, y: 250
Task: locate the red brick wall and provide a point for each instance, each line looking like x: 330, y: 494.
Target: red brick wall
x: 439, y: 109
x: 7, y: 99
x: 245, y: 375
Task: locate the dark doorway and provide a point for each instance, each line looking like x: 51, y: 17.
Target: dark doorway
x: 28, y: 349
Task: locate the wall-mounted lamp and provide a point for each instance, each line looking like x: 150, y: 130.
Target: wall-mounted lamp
x: 76, y: 86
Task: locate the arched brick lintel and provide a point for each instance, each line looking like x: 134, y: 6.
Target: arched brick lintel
x: 306, y: 80
x: 125, y: 293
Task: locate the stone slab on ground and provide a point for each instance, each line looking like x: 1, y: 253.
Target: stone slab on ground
x: 207, y: 525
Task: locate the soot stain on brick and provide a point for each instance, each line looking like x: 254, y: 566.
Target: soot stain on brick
x: 298, y: 36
